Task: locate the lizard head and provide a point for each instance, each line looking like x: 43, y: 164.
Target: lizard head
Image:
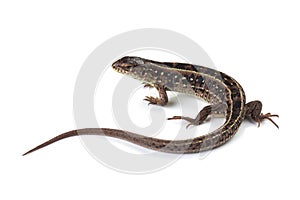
x: 127, y: 64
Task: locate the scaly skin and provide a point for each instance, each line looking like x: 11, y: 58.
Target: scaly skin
x: 225, y: 95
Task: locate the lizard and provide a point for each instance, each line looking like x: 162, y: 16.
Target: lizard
x: 224, y: 94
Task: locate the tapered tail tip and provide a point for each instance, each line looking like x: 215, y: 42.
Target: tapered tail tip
x: 24, y: 154
x: 34, y: 149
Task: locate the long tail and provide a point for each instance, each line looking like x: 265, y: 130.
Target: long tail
x: 55, y: 139
x: 124, y: 135
x: 86, y: 131
x: 194, y: 145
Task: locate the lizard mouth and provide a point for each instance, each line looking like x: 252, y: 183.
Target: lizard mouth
x: 120, y: 67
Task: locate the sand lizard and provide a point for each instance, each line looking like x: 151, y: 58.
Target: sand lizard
x: 225, y: 95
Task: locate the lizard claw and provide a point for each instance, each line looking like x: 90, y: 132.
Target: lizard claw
x: 152, y: 100
x: 267, y: 116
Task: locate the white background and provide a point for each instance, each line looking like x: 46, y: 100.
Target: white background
x: 42, y: 48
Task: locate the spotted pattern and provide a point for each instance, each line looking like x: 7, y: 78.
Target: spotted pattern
x: 211, y: 85
x: 215, y: 87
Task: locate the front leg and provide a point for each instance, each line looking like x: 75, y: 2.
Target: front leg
x: 253, y: 111
x: 163, y: 97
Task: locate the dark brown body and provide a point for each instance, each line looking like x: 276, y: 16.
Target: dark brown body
x: 225, y: 95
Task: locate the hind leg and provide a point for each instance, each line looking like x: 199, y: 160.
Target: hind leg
x: 253, y: 111
x: 203, y: 114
